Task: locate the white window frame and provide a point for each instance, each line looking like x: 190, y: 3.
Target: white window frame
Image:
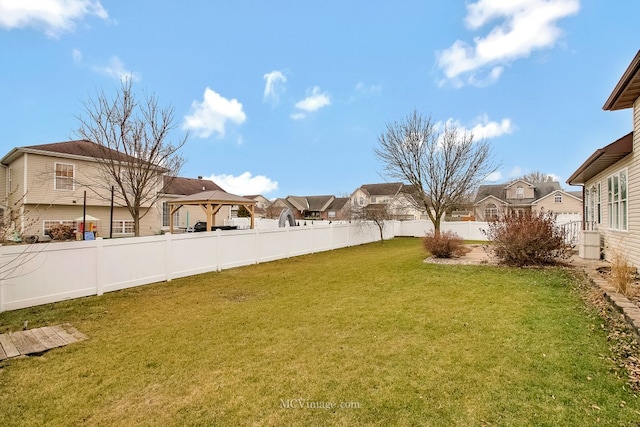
x: 176, y: 215
x: 519, y: 192
x: 122, y: 227
x: 557, y: 198
x: 489, y: 211
x: 618, y: 200
x: 64, y: 178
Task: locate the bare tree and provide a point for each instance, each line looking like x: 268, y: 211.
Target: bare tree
x: 134, y: 147
x: 536, y: 177
x: 444, y: 165
x: 376, y: 214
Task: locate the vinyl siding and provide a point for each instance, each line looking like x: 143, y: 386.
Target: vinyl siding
x: 569, y: 204
x: 627, y: 242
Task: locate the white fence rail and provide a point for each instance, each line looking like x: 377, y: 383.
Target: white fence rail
x: 43, y: 273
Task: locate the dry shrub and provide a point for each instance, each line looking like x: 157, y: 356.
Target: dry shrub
x: 60, y: 232
x: 622, y: 274
x: 530, y: 238
x: 444, y: 245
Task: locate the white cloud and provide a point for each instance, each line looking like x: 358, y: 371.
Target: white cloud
x: 115, y: 68
x: 245, y: 183
x: 494, y: 177
x: 313, y: 102
x: 51, y: 16
x: 274, y: 86
x: 482, y: 127
x: 369, y: 90
x: 211, y: 115
x: 527, y: 25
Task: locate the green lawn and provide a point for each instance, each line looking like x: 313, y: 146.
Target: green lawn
x: 369, y: 335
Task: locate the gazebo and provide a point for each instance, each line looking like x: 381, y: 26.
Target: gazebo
x: 211, y: 202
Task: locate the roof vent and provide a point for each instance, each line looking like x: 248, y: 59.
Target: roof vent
x: 199, y: 176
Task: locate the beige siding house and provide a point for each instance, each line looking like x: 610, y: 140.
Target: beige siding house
x: 62, y: 183
x: 395, y: 195
x: 610, y: 178
x: 520, y: 196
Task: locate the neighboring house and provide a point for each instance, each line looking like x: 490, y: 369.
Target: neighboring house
x: 262, y: 204
x: 46, y: 184
x: 493, y: 201
x: 178, y: 187
x: 610, y: 179
x: 396, y: 195
x: 339, y: 209
x: 306, y: 207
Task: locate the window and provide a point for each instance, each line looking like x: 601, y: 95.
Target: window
x: 490, y: 212
x: 519, y: 192
x: 373, y: 199
x: 617, y: 200
x: 122, y: 226
x: 165, y: 215
x: 557, y: 198
x: 598, y: 208
x: 64, y: 174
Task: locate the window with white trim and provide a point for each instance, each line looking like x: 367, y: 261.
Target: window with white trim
x: 617, y: 200
x: 557, y: 198
x: 490, y: 212
x: 64, y: 176
x: 166, y: 209
x: 519, y: 192
x: 124, y: 226
x: 598, y: 207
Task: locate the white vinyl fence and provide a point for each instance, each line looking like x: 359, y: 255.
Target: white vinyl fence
x: 50, y: 272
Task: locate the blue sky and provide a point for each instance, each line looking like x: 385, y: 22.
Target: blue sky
x: 289, y: 97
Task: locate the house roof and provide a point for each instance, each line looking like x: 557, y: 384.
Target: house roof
x: 573, y: 194
x: 338, y: 203
x: 628, y: 88
x: 383, y: 189
x: 319, y: 203
x: 71, y: 149
x: 214, y: 196
x: 601, y: 159
x: 499, y: 191
x: 187, y: 186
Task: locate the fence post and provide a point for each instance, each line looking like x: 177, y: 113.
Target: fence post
x: 99, y: 242
x: 168, y: 249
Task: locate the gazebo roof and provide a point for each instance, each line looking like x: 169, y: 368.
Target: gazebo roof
x: 213, y: 197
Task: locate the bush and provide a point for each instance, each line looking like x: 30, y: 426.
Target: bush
x: 530, y: 238
x: 60, y: 232
x: 444, y: 245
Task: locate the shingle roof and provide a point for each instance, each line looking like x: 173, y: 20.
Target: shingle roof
x: 319, y: 203
x: 383, y: 189
x: 338, y: 203
x: 214, y: 196
x: 187, y: 186
x: 499, y: 191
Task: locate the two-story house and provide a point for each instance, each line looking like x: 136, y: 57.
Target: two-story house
x: 396, y: 196
x: 610, y: 179
x: 63, y: 183
x: 493, y: 201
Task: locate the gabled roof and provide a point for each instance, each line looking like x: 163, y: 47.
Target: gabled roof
x: 300, y: 203
x: 601, y: 159
x: 187, y: 186
x: 70, y: 149
x: 319, y: 203
x: 628, y: 88
x: 571, y: 194
x: 219, y: 196
x: 338, y: 203
x: 498, y: 191
x: 384, y: 189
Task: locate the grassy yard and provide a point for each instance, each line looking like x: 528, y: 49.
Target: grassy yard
x: 360, y: 336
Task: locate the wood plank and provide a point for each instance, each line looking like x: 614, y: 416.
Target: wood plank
x: 73, y: 331
x: 47, y: 340
x: 53, y: 336
x: 7, y: 345
x: 26, y: 342
x: 66, y: 336
x: 3, y: 355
